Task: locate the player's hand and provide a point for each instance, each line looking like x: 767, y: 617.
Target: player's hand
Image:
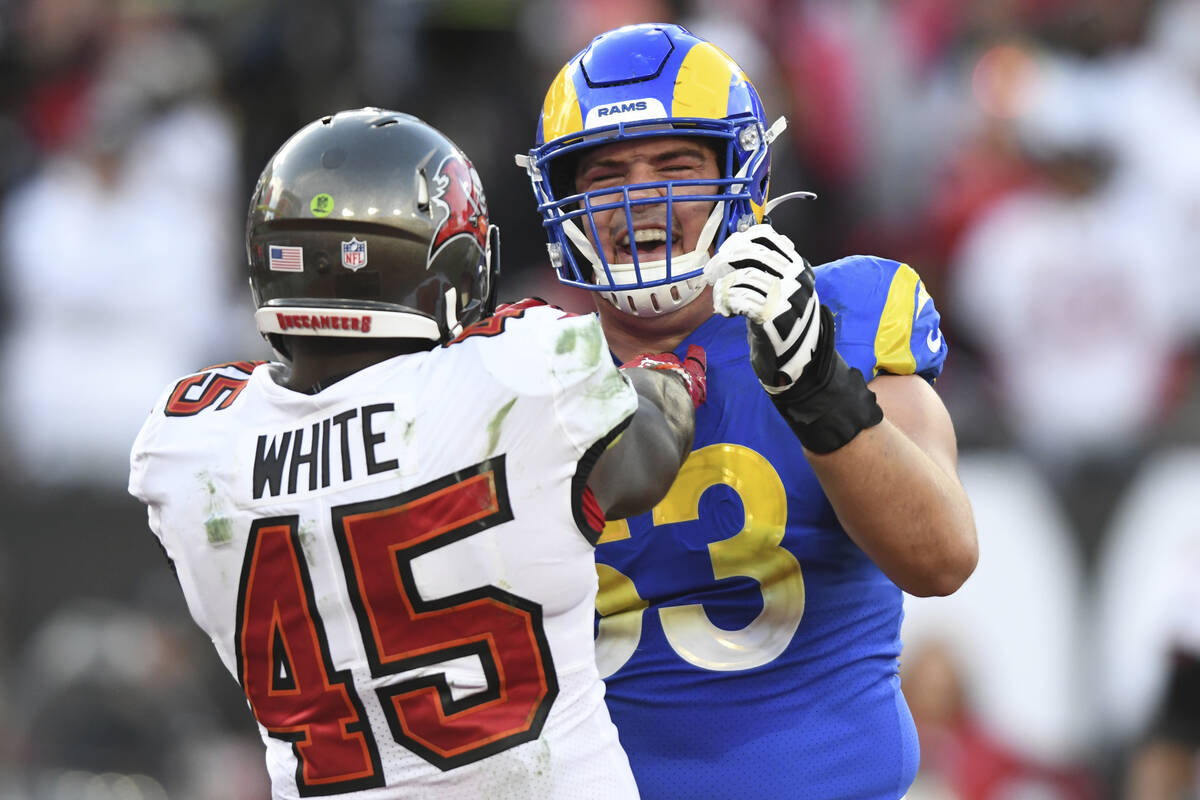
x: 758, y: 274
x: 693, y: 370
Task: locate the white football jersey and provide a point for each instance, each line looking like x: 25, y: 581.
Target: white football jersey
x: 398, y: 570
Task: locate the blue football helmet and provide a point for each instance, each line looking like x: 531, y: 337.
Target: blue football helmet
x: 648, y: 80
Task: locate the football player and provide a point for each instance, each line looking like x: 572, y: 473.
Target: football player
x: 388, y: 534
x: 749, y: 626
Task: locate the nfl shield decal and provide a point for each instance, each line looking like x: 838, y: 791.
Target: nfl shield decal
x: 354, y: 254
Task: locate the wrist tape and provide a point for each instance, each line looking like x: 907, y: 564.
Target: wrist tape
x: 829, y: 408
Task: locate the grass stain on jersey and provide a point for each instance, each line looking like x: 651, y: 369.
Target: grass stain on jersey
x: 511, y: 777
x: 496, y: 423
x: 612, y: 386
x: 305, y: 534
x: 218, y: 528
x: 566, y: 342
x: 586, y: 341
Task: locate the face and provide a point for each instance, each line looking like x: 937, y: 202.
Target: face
x: 646, y: 161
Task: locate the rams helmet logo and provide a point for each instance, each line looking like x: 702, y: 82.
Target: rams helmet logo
x: 458, y: 196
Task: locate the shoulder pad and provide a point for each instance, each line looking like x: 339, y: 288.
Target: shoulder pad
x: 886, y: 320
x: 215, y: 386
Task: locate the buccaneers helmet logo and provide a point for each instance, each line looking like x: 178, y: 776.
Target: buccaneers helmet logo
x: 458, y: 194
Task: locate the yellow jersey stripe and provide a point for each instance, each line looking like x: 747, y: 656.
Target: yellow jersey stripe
x: 893, y: 340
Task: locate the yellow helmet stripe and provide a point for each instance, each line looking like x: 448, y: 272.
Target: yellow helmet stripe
x: 702, y: 89
x: 893, y: 340
x: 560, y: 113
x: 703, y: 81
x: 760, y: 211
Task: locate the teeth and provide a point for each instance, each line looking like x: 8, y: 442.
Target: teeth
x: 650, y: 235
x: 642, y: 236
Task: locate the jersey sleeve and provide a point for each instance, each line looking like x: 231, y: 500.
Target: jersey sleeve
x: 543, y: 351
x: 886, y: 320
x: 142, y: 452
x: 202, y: 392
x: 594, y: 398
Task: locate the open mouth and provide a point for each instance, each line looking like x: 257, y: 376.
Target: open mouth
x: 652, y: 244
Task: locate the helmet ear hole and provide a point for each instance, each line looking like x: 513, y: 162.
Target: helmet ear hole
x: 422, y: 191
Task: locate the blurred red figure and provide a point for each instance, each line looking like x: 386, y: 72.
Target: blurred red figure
x: 960, y: 760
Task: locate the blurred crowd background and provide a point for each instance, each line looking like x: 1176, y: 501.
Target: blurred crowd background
x: 1036, y: 161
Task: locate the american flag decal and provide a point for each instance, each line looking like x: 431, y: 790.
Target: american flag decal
x: 286, y: 259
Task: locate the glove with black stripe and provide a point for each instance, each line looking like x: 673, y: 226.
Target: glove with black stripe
x: 758, y: 274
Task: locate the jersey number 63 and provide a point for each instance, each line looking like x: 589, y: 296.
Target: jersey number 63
x: 754, y: 552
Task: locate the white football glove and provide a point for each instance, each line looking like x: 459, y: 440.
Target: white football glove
x: 758, y: 274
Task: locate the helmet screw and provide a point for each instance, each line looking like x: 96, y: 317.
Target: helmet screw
x: 749, y: 138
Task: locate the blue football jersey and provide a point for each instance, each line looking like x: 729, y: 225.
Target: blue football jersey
x: 750, y: 648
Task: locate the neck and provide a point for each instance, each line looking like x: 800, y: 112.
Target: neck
x: 630, y: 335
x: 319, y: 361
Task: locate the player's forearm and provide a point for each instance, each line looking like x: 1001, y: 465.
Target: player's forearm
x: 668, y: 394
x: 907, y: 513
x: 637, y: 470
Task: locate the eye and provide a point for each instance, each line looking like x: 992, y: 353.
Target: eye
x: 685, y: 168
x: 600, y: 180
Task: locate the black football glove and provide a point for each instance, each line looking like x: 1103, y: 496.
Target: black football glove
x: 758, y: 274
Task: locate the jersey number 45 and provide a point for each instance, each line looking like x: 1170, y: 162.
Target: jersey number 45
x: 284, y: 661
